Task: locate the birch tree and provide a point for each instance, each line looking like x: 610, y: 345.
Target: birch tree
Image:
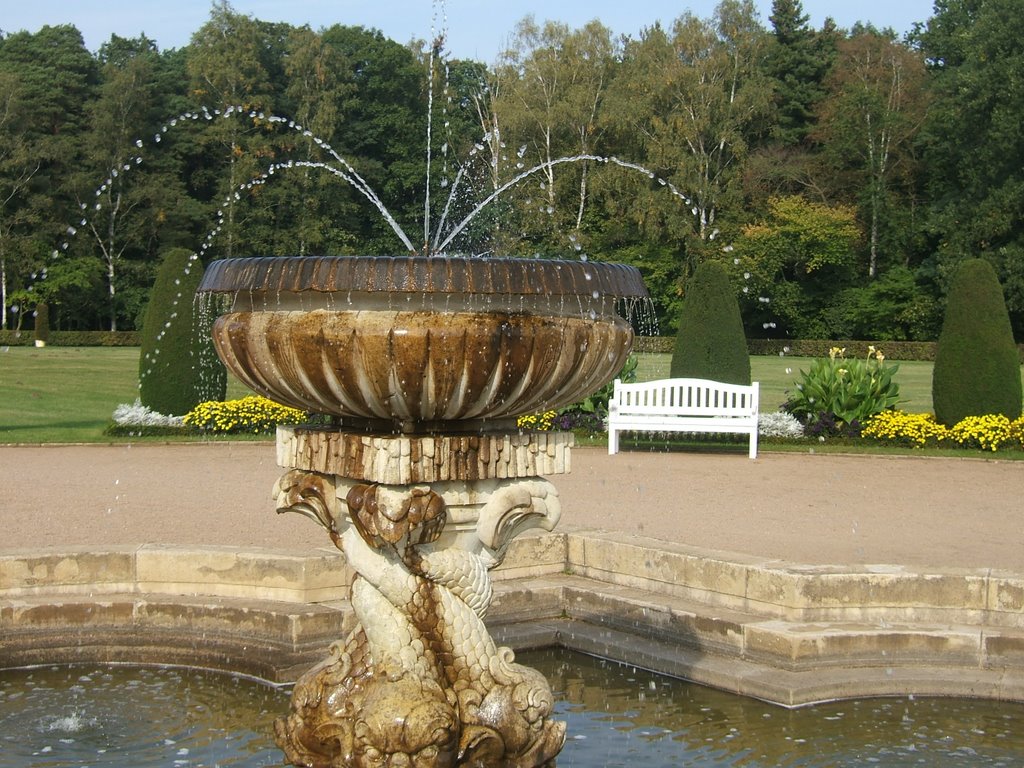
x: 227, y: 71
x: 874, y: 110
x: 556, y: 80
x: 693, y: 98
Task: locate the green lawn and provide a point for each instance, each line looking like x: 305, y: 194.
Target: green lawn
x: 67, y: 394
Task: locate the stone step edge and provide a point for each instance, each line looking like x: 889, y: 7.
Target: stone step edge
x: 786, y: 688
x: 786, y: 662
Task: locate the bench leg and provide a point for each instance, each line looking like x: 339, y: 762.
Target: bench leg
x: 613, y: 441
x: 753, y: 444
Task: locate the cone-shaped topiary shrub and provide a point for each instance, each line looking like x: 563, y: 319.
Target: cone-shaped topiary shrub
x: 178, y: 368
x: 977, y: 366
x: 711, y: 343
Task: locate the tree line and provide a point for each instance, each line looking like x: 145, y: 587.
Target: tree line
x: 840, y: 175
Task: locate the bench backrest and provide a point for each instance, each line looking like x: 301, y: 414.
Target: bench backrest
x: 690, y: 397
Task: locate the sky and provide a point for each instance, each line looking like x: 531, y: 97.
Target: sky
x: 476, y: 29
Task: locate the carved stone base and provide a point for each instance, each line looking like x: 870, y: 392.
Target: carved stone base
x: 390, y: 458
x: 419, y: 681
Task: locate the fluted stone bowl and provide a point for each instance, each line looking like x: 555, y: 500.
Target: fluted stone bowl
x: 417, y: 340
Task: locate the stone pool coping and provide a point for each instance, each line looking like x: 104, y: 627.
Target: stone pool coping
x: 786, y: 633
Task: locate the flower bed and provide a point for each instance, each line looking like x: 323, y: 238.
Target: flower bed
x: 917, y: 430
x: 251, y: 415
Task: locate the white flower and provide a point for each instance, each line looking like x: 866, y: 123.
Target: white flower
x: 779, y: 424
x: 139, y: 415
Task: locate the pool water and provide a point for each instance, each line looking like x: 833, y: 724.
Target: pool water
x: 136, y: 716
x: 617, y: 715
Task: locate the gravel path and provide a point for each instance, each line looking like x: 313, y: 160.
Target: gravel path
x: 815, y: 509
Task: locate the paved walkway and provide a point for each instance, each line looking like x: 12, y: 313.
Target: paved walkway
x: 929, y: 513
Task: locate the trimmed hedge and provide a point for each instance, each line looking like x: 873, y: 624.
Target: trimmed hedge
x: 894, y: 350
x: 977, y: 367
x: 711, y: 343
x: 178, y: 368
x: 73, y: 338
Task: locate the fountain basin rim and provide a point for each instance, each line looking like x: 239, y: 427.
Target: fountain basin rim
x: 503, y: 276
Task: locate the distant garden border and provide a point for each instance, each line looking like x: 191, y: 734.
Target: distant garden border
x: 72, y: 338
x: 894, y: 350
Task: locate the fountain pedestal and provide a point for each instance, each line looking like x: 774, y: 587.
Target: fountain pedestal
x: 422, y: 519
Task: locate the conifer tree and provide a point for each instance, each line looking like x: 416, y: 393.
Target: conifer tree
x: 977, y: 365
x: 178, y: 368
x: 797, y: 61
x: 710, y: 343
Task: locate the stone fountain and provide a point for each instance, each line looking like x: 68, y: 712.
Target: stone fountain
x: 422, y: 479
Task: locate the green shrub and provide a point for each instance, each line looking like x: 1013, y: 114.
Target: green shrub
x: 588, y: 415
x: 178, y: 368
x: 977, y: 366
x: 838, y: 395
x: 711, y: 343
x: 894, y: 350
x: 75, y: 338
x: 597, y: 403
x: 96, y: 338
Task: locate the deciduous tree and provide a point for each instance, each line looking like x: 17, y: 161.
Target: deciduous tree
x: 975, y: 139
x: 868, y: 123
x: 693, y: 99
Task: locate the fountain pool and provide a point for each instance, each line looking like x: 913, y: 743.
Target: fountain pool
x: 57, y: 717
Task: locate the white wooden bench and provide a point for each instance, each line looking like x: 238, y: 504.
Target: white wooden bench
x: 683, y: 405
